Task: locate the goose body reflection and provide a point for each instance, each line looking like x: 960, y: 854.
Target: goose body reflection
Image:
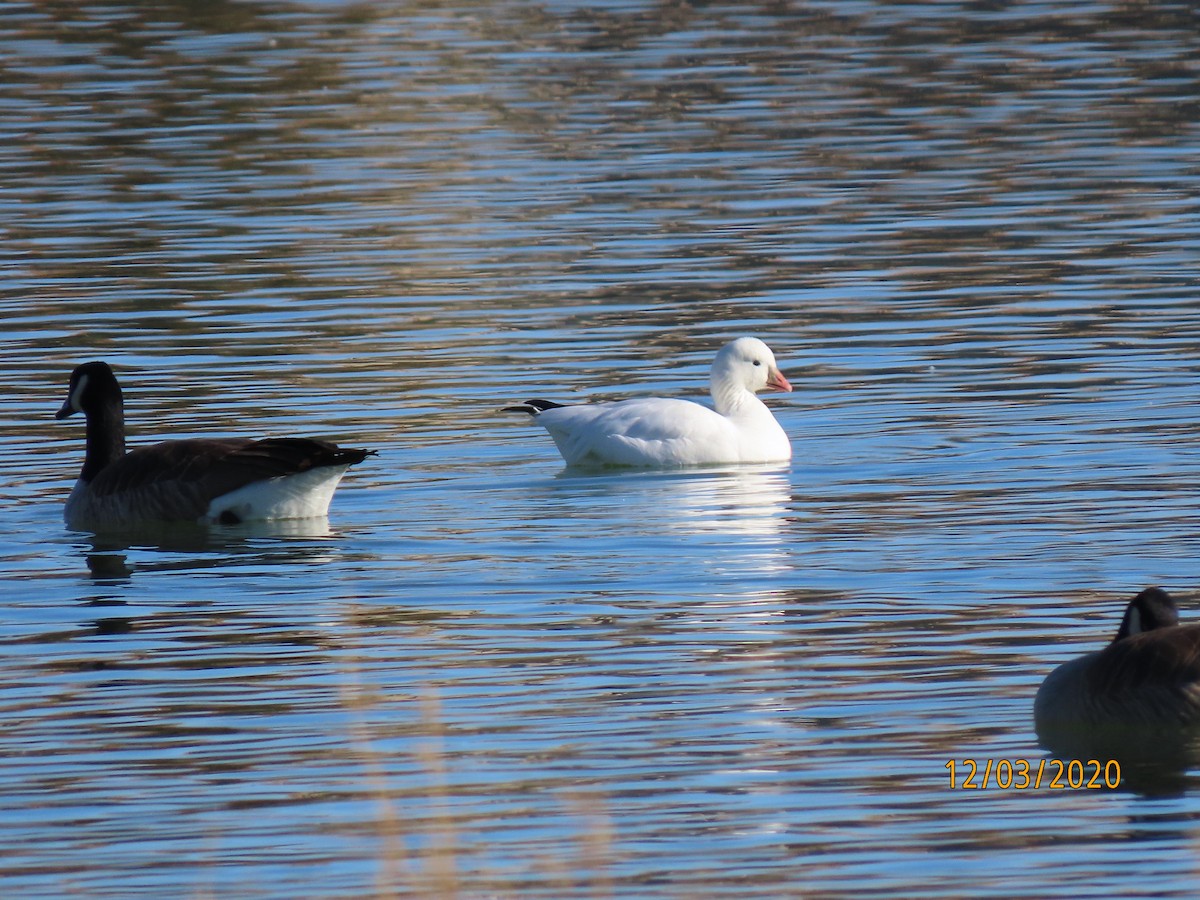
x: 205, y: 480
x: 669, y: 433
x: 750, y: 501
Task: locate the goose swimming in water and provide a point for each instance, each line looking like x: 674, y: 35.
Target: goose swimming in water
x: 669, y: 433
x: 208, y: 480
x: 1146, y: 679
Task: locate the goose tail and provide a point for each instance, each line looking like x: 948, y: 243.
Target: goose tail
x: 533, y: 407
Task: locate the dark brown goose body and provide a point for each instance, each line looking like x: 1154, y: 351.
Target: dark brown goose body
x: 1145, y: 682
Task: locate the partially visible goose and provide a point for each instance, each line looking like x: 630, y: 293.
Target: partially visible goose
x: 663, y: 433
x: 210, y: 480
x: 1146, y: 679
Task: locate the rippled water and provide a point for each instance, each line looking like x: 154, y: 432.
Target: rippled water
x: 967, y: 230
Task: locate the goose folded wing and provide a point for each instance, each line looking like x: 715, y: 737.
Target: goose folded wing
x: 203, y: 468
x: 1161, y: 667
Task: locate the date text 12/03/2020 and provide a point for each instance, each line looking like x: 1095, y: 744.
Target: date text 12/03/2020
x: 1024, y: 774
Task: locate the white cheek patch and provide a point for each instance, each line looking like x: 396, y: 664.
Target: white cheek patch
x: 1135, y: 621
x: 76, y: 397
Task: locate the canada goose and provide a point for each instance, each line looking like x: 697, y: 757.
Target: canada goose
x: 1146, y: 679
x: 208, y: 480
x: 666, y: 433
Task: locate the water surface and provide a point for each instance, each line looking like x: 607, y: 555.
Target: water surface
x: 968, y: 232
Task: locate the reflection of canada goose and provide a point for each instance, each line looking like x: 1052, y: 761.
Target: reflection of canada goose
x: 1149, y: 676
x: 225, y: 480
x: 664, y: 433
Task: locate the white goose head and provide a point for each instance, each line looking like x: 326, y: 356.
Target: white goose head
x: 744, y: 367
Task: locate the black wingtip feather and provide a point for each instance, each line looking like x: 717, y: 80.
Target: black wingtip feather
x: 352, y: 456
x: 293, y: 454
x: 533, y: 407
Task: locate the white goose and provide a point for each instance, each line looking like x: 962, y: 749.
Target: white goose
x: 662, y: 433
x: 209, y: 480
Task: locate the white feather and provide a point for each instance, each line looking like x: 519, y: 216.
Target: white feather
x: 303, y: 496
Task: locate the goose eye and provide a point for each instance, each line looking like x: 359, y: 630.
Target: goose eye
x: 757, y: 363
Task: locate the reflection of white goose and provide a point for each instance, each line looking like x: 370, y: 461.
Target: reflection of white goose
x: 226, y: 480
x: 1147, y: 678
x: 667, y: 433
x: 747, y: 501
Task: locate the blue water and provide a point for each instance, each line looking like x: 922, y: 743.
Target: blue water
x: 969, y: 235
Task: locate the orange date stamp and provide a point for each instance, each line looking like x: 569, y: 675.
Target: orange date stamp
x: 1028, y: 775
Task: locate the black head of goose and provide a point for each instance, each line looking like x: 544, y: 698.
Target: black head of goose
x: 208, y: 480
x: 1147, y: 680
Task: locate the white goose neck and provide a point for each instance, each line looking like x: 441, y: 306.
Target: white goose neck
x: 729, y: 397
